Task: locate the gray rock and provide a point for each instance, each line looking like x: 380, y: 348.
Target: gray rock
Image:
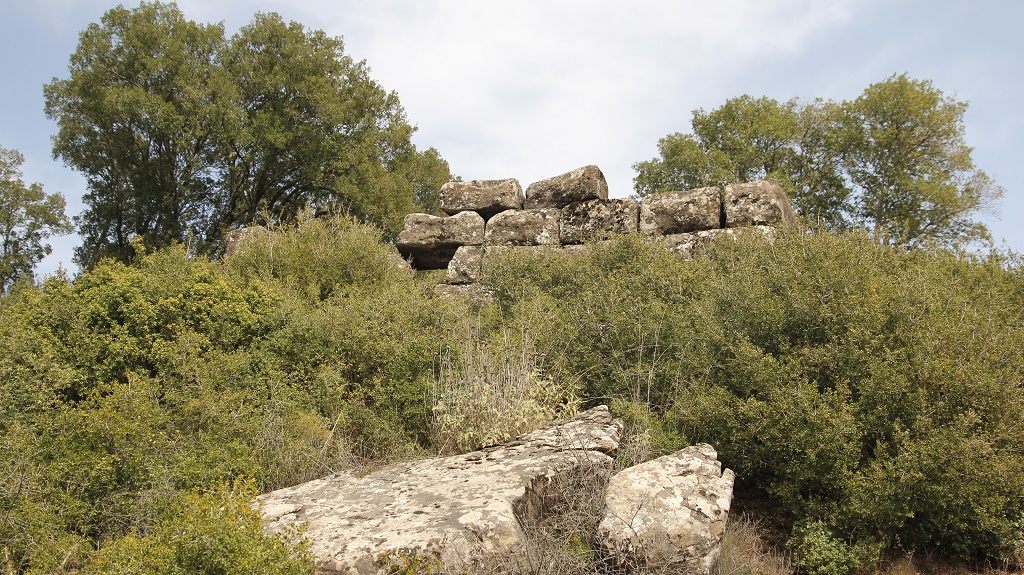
x: 431, y: 241
x: 757, y: 203
x: 236, y: 239
x: 457, y: 509
x: 523, y: 227
x: 579, y: 185
x: 486, y: 197
x: 469, y: 293
x: 681, y: 212
x: 598, y: 219
x: 465, y: 265
x: 669, y: 513
x: 690, y: 244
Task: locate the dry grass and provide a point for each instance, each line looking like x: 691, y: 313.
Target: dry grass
x: 744, y: 551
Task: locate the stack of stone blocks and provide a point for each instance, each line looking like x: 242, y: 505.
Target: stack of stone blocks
x: 486, y: 217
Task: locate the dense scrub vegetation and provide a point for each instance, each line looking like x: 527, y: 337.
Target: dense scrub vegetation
x: 871, y: 397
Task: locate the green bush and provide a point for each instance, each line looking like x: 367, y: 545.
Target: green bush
x: 875, y: 389
x: 217, y: 532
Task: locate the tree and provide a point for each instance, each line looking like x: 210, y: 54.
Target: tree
x: 910, y: 167
x: 28, y: 216
x: 893, y: 160
x: 184, y: 134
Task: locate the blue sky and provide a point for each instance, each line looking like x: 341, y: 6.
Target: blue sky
x: 530, y: 89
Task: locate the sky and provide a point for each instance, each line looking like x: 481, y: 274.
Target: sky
x: 533, y: 88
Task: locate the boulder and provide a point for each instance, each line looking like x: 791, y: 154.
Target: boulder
x: 431, y: 241
x: 465, y: 265
x: 668, y: 513
x: 597, y: 219
x: 457, y: 510
x: 681, y: 212
x: 579, y: 185
x: 757, y: 203
x: 523, y: 227
x: 485, y: 197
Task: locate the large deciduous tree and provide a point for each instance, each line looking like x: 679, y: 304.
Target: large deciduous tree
x: 28, y: 216
x: 894, y: 160
x: 183, y: 133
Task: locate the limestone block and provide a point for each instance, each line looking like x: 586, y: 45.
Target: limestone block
x: 459, y: 509
x: 579, y: 185
x: 431, y: 241
x: 681, y: 212
x: 523, y: 227
x: 485, y: 197
x: 598, y: 219
x: 757, y: 203
x: 690, y: 244
x: 669, y: 513
x: 470, y: 293
x: 465, y: 265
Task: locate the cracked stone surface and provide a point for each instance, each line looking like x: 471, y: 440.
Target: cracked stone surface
x: 458, y: 509
x: 669, y: 513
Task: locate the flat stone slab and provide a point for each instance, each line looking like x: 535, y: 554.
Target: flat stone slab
x: 669, y: 513
x: 756, y: 204
x: 458, y: 509
x: 681, y: 212
x: 485, y: 197
x: 579, y: 185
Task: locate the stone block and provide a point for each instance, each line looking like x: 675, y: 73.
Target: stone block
x: 579, y: 185
x: 485, y: 197
x: 757, y: 203
x: 598, y: 220
x: 465, y: 265
x: 669, y: 514
x: 431, y: 241
x: 681, y: 212
x: 523, y: 227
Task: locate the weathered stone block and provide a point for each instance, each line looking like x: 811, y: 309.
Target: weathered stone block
x: 598, y: 219
x: 459, y: 509
x: 757, y: 203
x: 681, y: 212
x: 669, y: 513
x: 579, y: 185
x: 690, y: 244
x: 485, y: 197
x: 465, y: 265
x: 431, y: 241
x: 523, y: 227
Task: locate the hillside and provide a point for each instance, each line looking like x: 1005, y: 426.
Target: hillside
x: 869, y: 398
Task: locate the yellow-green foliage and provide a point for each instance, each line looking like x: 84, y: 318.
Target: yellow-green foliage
x: 217, y: 532
x: 875, y: 389
x: 133, y: 383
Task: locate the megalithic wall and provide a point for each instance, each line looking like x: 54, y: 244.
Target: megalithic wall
x: 564, y: 212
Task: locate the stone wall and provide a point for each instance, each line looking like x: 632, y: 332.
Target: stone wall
x: 568, y: 210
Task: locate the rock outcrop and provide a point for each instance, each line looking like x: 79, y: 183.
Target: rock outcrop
x: 669, y: 513
x: 456, y: 509
x: 572, y: 209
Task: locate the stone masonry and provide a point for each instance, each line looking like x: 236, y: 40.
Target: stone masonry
x: 573, y: 208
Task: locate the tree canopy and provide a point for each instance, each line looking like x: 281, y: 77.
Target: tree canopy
x: 894, y: 160
x: 184, y: 133
x: 28, y: 216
